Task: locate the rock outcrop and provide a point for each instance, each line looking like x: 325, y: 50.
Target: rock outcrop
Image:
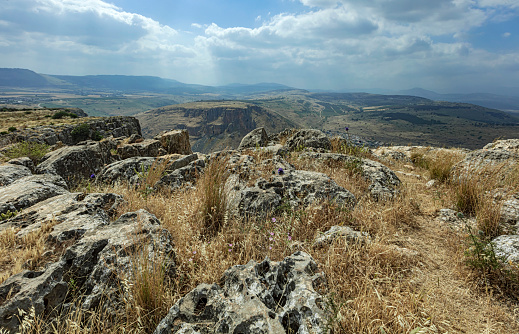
x: 308, y: 138
x: 265, y: 297
x: 10, y: 173
x: 255, y: 138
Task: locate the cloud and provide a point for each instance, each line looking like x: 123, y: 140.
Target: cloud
x: 507, y: 34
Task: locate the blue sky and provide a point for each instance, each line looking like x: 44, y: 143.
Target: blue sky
x: 442, y: 45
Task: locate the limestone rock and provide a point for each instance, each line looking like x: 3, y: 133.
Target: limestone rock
x: 510, y: 210
x: 345, y: 232
x: 511, y: 145
x: 186, y: 175
x: 145, y: 148
x: 478, y: 160
x: 506, y: 247
x: 23, y: 161
x: 255, y: 138
x: 266, y: 297
x: 30, y: 190
x: 384, y: 182
x: 76, y: 163
x: 96, y: 265
x: 308, y: 138
x: 175, y: 141
x: 10, y: 173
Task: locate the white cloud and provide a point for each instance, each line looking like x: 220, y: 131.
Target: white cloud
x: 507, y: 34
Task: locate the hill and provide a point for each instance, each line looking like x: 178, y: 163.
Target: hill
x: 212, y: 125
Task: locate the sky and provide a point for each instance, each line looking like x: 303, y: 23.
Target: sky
x: 448, y: 46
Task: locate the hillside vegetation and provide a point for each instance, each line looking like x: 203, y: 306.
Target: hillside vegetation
x: 405, y: 239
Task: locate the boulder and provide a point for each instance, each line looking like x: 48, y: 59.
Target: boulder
x: 23, y: 161
x: 72, y: 214
x: 506, y: 247
x: 255, y: 138
x: 175, y: 141
x: 511, y: 145
x: 10, y: 173
x: 477, y: 161
x: 344, y: 232
x: 145, y: 148
x: 30, y: 190
x: 76, y: 163
x: 183, y: 176
x: 265, y: 297
x: 94, y: 266
x: 510, y: 210
x: 308, y: 138
x: 383, y: 181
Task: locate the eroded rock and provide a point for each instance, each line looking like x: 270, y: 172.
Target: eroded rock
x: 308, y: 138
x: 175, y: 141
x: 266, y: 297
x: 255, y: 138
x: 12, y: 172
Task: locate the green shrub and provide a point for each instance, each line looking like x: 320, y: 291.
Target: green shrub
x: 11, y: 129
x: 35, y: 151
x: 61, y: 114
x: 81, y: 132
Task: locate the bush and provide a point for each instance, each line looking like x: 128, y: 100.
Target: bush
x: 35, y: 151
x: 61, y: 114
x: 81, y: 132
x: 11, y: 129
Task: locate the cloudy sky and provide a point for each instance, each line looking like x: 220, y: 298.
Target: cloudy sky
x: 442, y: 45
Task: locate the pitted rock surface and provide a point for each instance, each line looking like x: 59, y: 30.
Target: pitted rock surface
x: 30, y: 190
x: 308, y: 138
x: 344, y: 232
x: 478, y: 160
x: 96, y: 265
x: 384, y: 182
x: 255, y: 138
x: 266, y: 297
x: 183, y: 176
x: 511, y: 145
x: 506, y: 247
x: 77, y: 163
x: 145, y: 148
x: 175, y: 142
x: 11, y: 172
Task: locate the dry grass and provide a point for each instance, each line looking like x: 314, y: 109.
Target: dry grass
x: 410, y: 276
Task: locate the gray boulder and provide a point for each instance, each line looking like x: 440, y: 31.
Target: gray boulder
x: 506, y: 247
x: 76, y: 163
x: 511, y: 145
x: 255, y: 138
x: 93, y: 267
x: 510, y: 210
x: 308, y: 138
x: 30, y: 190
x: 266, y: 297
x: 183, y: 176
x: 345, y: 232
x: 383, y: 181
x: 175, y: 142
x: 125, y: 170
x: 145, y: 148
x: 10, y: 173
x: 477, y: 161
x: 23, y: 161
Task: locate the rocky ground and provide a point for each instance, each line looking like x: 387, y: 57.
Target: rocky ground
x: 290, y: 233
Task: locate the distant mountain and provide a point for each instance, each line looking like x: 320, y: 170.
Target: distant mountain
x: 494, y: 101
x: 22, y: 78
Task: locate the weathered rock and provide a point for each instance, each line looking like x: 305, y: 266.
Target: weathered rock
x: 145, y: 148
x: 298, y: 188
x: 23, y: 161
x: 125, y: 170
x: 30, y: 190
x: 384, y: 182
x: 72, y: 215
x: 477, y: 161
x: 182, y: 176
x: 456, y: 220
x: 96, y: 265
x: 506, y: 247
x: 511, y: 145
x: 308, y: 138
x: 255, y: 138
x: 510, y: 210
x: 10, y: 173
x: 266, y: 297
x: 175, y: 141
x: 76, y: 163
x: 345, y: 232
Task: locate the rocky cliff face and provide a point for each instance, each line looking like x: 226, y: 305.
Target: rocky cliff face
x: 212, y: 125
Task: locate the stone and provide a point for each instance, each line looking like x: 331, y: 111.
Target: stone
x: 184, y: 176
x: 510, y: 210
x: 255, y: 138
x: 23, y: 161
x: 511, y: 145
x: 383, y: 181
x: 308, y: 138
x: 506, y: 247
x: 95, y: 265
x: 345, y: 232
x: 30, y: 190
x: 175, y: 141
x: 12, y: 172
x: 125, y: 170
x: 477, y: 161
x: 145, y: 148
x: 265, y: 297
x: 77, y: 163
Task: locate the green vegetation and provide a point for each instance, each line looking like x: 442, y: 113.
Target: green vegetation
x: 11, y: 129
x: 61, y: 114
x: 35, y: 151
x: 84, y: 132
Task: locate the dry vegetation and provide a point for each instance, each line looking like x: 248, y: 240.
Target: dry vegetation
x: 412, y: 277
